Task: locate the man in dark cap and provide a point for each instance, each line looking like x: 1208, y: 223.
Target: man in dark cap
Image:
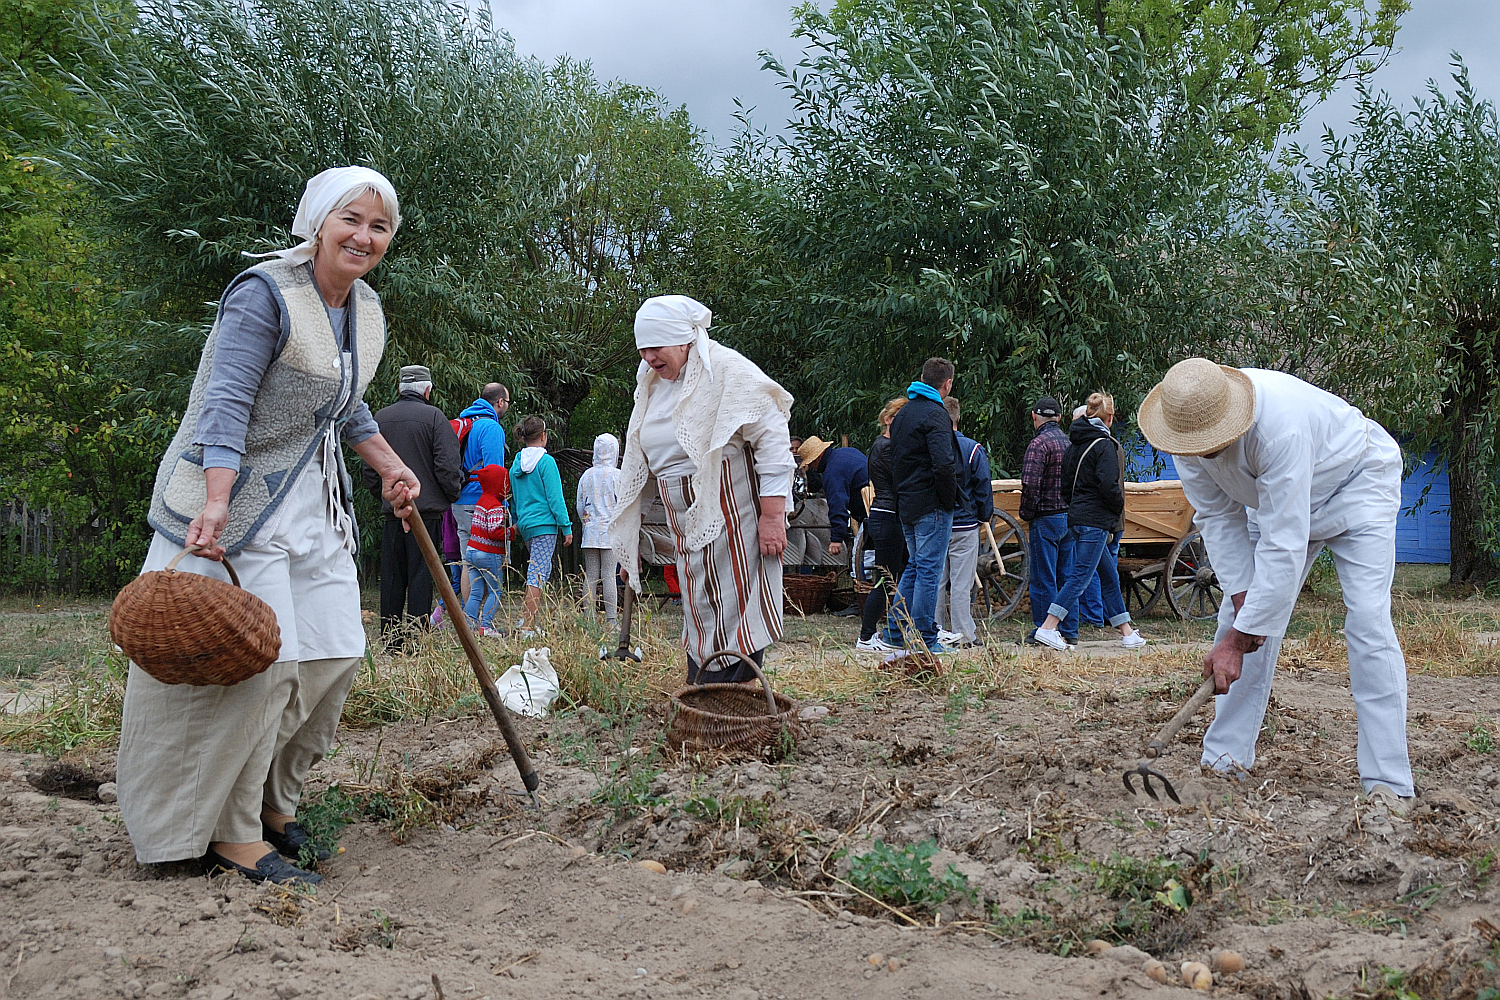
x: 419, y: 433
x: 1046, y: 516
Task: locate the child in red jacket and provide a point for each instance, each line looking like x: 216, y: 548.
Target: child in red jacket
x: 486, y: 551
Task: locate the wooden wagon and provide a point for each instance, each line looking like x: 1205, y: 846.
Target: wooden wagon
x: 1160, y: 553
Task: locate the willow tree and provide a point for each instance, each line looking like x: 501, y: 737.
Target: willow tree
x: 982, y: 180
x: 539, y: 205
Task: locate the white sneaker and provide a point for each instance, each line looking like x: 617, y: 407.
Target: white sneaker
x: 949, y: 638
x: 1385, y: 795
x: 1133, y: 641
x: 874, y: 644
x: 1052, y: 637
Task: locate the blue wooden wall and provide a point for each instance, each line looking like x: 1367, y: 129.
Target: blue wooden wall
x: 1421, y: 533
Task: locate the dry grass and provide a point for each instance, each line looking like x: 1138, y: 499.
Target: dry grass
x: 1438, y: 643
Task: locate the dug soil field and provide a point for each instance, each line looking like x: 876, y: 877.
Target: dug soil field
x: 965, y: 834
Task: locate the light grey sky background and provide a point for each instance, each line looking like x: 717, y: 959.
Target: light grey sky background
x: 703, y: 53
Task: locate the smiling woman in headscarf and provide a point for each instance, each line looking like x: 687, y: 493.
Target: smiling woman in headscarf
x: 255, y: 472
x: 711, y: 428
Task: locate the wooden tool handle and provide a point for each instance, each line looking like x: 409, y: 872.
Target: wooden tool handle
x: 471, y: 647
x: 1186, y: 712
x: 625, y: 613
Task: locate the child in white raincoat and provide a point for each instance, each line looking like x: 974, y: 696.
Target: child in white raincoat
x: 1278, y: 470
x: 596, y: 509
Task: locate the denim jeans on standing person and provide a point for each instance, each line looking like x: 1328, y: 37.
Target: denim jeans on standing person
x: 1091, y: 603
x: 917, y: 593
x: 1051, y: 558
x: 484, y: 585
x: 1092, y: 558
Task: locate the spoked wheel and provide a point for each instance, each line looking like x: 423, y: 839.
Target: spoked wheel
x: 1140, y: 585
x: 1002, y: 574
x: 1193, y: 589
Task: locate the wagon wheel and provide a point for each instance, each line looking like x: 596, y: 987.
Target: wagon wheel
x: 1141, y: 588
x: 1193, y: 588
x: 1002, y: 583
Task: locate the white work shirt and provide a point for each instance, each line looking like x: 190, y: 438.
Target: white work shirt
x: 666, y: 458
x: 1310, y: 467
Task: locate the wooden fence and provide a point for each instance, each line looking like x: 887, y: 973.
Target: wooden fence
x: 34, y: 548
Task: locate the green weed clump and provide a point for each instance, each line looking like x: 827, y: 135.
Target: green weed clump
x: 78, y: 709
x: 903, y: 877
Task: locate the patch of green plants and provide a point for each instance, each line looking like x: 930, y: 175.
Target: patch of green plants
x: 903, y: 876
x: 325, y: 816
x: 733, y: 811
x: 1481, y: 739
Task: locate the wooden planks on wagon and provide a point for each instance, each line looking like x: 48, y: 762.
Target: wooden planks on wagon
x: 1154, y: 512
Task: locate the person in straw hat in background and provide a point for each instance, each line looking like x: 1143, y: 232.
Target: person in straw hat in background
x: 1278, y: 470
x: 255, y: 472
x: 711, y: 428
x: 840, y: 474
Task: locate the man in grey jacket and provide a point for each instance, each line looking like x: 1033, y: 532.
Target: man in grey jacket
x: 419, y: 433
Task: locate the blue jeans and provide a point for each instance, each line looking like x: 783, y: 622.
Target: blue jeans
x: 1051, y: 558
x: 917, y: 593
x: 1091, y: 604
x: 484, y: 585
x: 1092, y: 560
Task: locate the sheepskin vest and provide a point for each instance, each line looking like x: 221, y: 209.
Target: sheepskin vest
x: 310, y: 389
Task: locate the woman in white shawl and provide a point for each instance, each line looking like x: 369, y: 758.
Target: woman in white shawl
x: 711, y: 428
x: 256, y: 472
x: 596, y: 510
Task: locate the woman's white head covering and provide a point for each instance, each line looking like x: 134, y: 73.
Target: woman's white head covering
x: 669, y: 320
x: 328, y: 191
x: 606, y: 450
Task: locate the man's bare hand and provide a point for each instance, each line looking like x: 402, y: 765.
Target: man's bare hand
x: 1223, y: 663
x: 834, y: 548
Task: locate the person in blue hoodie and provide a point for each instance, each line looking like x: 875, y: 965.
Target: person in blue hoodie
x: 541, y: 512
x: 483, y: 442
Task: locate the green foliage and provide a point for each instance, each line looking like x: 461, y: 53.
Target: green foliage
x: 983, y: 181
x: 1262, y: 64
x: 1480, y: 739
x: 902, y: 876
x: 539, y: 206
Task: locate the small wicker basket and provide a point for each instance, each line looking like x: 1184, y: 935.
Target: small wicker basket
x: 807, y: 594
x: 733, y: 718
x: 185, y: 628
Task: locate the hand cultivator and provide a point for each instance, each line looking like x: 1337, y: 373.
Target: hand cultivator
x: 624, y: 652
x: 476, y: 659
x: 1158, y: 746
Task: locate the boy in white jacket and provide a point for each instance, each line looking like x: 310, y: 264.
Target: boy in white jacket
x: 1277, y: 470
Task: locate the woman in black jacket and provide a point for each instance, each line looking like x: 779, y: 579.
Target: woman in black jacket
x: 1093, y: 486
x: 883, y: 528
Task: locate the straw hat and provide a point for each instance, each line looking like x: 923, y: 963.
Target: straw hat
x: 811, y: 450
x: 1198, y: 408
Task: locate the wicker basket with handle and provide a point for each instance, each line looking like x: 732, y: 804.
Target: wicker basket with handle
x: 733, y: 718
x: 807, y: 593
x: 185, y: 628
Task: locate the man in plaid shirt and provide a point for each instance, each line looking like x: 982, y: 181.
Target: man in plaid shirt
x: 1046, y: 515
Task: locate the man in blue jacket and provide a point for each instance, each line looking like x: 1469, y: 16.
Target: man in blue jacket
x: 976, y: 505
x: 926, y: 466
x: 483, y: 441
x: 839, y: 474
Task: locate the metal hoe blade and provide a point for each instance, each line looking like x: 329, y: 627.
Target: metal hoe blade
x: 1145, y: 771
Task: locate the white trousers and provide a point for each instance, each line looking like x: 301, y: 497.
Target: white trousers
x: 600, y: 567
x: 1365, y: 557
x: 955, y: 593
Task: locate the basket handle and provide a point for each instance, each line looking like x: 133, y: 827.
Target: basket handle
x: 765, y: 684
x: 234, y: 577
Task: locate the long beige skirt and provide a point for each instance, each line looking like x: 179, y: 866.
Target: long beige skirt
x: 731, y: 594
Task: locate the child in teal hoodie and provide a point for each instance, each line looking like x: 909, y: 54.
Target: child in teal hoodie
x: 541, y: 511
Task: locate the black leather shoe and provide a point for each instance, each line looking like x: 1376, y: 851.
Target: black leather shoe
x: 290, y: 842
x: 271, y: 868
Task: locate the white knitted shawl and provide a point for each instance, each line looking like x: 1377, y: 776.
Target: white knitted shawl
x: 710, y: 411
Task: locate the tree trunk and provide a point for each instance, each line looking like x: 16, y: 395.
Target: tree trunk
x: 1467, y: 561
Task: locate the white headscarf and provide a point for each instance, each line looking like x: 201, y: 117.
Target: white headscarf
x: 328, y: 191
x: 669, y: 320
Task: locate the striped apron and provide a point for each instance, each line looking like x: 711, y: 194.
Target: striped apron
x: 731, y: 594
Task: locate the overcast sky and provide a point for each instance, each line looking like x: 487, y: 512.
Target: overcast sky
x: 702, y: 53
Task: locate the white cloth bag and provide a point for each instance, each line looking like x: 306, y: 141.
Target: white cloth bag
x: 528, y: 687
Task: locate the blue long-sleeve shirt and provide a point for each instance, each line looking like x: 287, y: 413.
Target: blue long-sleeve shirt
x: 976, y: 495
x: 845, y: 473
x: 485, y: 445
x: 249, y: 340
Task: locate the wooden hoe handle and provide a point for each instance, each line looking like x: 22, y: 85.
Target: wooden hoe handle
x: 1168, y: 732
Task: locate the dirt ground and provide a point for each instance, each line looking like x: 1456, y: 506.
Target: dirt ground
x: 448, y: 885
